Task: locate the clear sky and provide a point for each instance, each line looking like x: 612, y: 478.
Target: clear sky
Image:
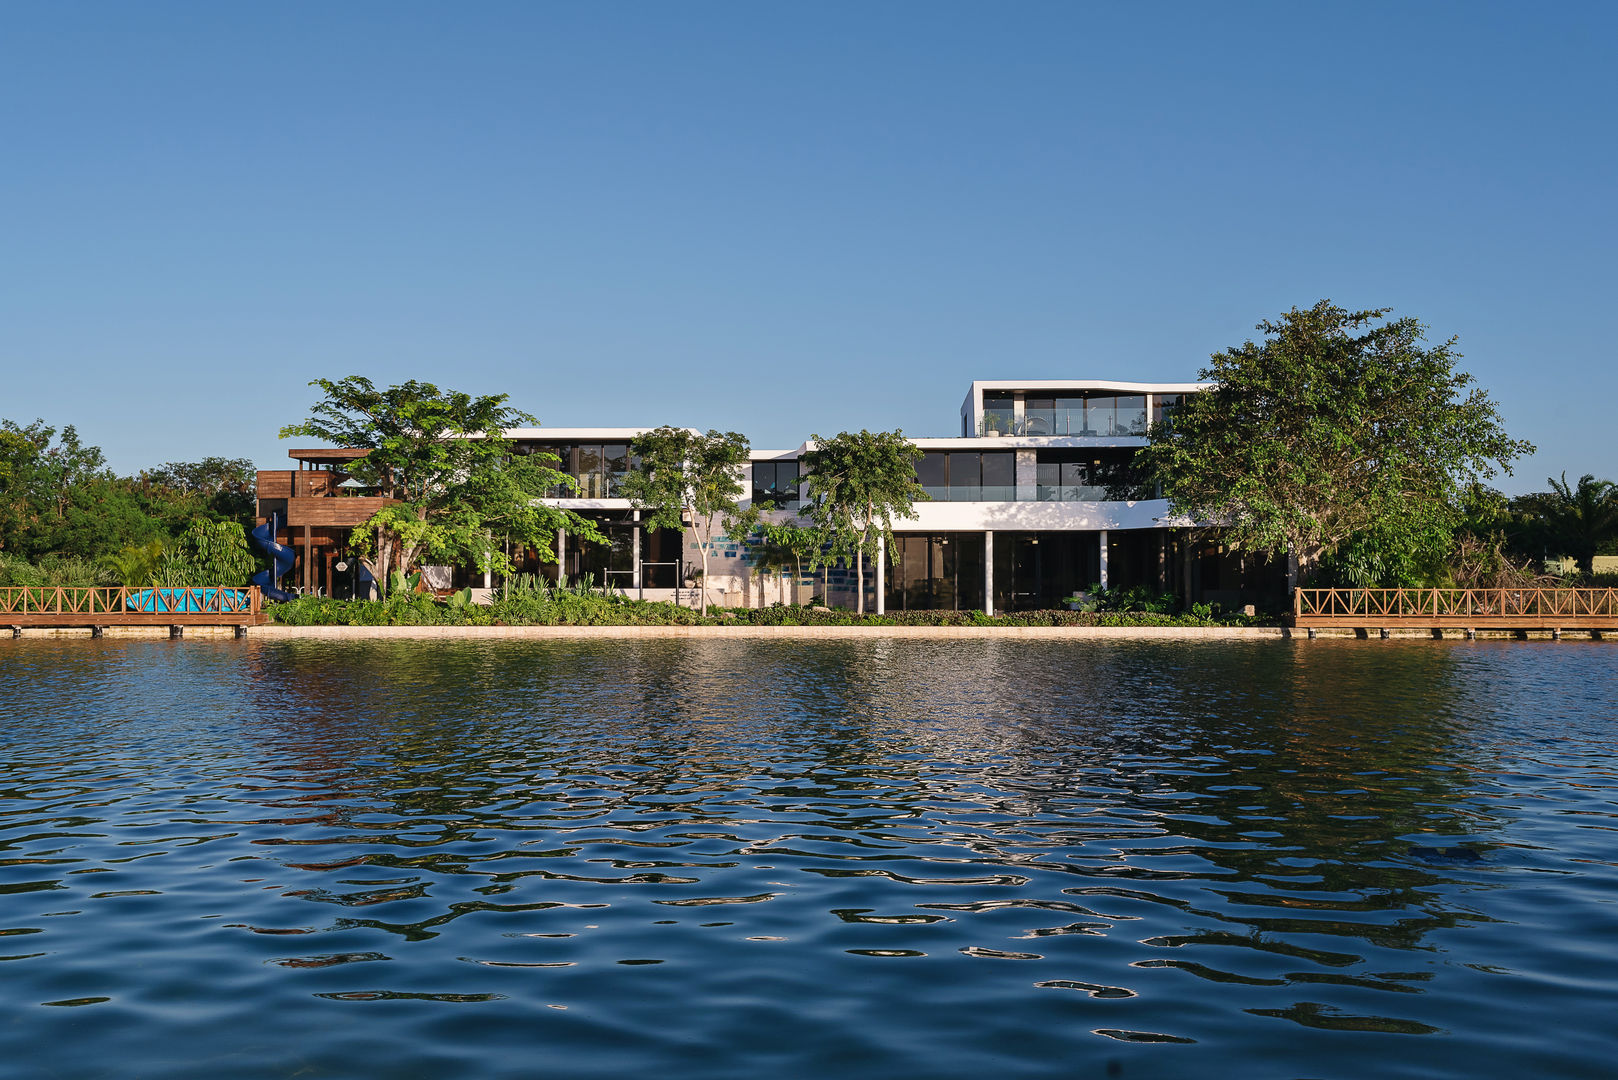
x: 784, y: 218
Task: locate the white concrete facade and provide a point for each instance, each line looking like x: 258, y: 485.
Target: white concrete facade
x: 1035, y: 434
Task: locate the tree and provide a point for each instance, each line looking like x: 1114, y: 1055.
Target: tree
x: 1579, y: 520
x: 444, y: 456
x: 858, y: 483
x: 1338, y: 424
x: 790, y: 542
x: 222, y: 487
x: 683, y: 479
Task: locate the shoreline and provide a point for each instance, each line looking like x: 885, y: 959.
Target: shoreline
x: 276, y: 632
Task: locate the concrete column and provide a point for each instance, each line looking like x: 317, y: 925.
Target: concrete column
x: 882, y: 575
x: 988, y: 572
x: 634, y: 581
x: 1027, y: 475
x: 1019, y: 414
x: 1103, y: 577
x: 1185, y: 550
x: 561, y: 556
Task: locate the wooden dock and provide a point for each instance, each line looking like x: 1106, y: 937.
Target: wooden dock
x: 97, y: 607
x: 1470, y: 610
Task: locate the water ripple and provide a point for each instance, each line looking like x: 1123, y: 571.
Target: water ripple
x: 766, y: 858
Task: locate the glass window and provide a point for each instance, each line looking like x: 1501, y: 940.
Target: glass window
x: 1039, y: 416
x: 775, y: 483
x: 1163, y: 406
x: 965, y: 477
x: 999, y: 477
x: 932, y: 473
x: 1131, y: 415
x: 998, y: 410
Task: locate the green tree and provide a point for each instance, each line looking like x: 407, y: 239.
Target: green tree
x: 858, y: 484
x: 1578, y: 520
x: 1339, y: 424
x: 789, y: 542
x: 682, y: 479
x: 220, y: 487
x: 444, y: 456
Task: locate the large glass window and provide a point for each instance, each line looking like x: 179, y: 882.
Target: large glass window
x: 939, y: 572
x: 1163, y: 406
x: 932, y: 473
x: 775, y: 483
x: 968, y: 476
x: 1087, y: 476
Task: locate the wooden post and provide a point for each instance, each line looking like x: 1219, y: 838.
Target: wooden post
x: 308, y: 567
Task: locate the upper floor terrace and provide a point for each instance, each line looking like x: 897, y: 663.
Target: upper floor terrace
x: 1089, y: 409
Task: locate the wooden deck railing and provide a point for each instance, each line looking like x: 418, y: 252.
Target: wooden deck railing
x: 73, y: 605
x: 1529, y: 608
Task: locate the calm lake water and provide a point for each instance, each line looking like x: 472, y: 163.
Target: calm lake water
x: 784, y: 859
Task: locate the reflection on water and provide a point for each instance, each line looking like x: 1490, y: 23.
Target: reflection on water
x: 730, y: 859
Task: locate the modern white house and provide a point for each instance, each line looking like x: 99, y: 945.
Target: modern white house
x: 1035, y: 500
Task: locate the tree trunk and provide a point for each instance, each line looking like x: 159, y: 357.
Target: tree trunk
x: 859, y: 576
x: 703, y: 547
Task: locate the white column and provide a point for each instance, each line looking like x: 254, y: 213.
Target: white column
x: 988, y: 572
x: 882, y: 575
x: 634, y: 565
x: 1104, y: 558
x: 561, y: 556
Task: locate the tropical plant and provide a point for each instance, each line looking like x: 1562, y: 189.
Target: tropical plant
x: 216, y: 553
x: 791, y: 543
x: 1578, y: 520
x: 135, y: 565
x: 444, y: 456
x: 858, y: 484
x: 1338, y: 424
x: 679, y: 478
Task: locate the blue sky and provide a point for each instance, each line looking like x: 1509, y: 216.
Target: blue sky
x: 784, y: 218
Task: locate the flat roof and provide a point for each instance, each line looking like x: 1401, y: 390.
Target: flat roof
x: 328, y: 454
x: 1091, y: 384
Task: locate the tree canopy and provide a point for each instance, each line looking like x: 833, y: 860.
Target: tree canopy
x: 1337, y: 425
x: 444, y: 456
x: 859, y: 483
x: 681, y: 479
x: 1578, y: 520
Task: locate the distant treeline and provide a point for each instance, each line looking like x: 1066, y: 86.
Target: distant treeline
x: 68, y: 519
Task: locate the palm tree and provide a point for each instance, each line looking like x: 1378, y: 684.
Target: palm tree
x: 1578, y: 519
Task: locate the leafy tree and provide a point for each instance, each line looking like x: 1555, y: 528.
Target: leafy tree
x: 1339, y: 424
x: 686, y: 480
x: 791, y: 543
x: 1578, y: 520
x: 443, y: 455
x: 215, y: 553
x: 222, y: 487
x: 858, y: 483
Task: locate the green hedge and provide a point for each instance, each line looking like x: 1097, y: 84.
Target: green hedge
x: 567, y: 608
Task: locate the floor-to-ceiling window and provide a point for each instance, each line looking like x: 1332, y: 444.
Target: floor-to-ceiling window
x: 1101, y: 475
x: 1038, y: 570
x: 968, y: 476
x: 937, y: 572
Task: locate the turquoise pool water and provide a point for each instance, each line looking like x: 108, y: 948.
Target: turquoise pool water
x: 843, y: 859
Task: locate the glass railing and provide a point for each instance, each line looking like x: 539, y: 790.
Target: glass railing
x: 993, y: 493
x: 1091, y: 493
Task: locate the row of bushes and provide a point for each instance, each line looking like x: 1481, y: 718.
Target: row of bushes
x: 566, y: 607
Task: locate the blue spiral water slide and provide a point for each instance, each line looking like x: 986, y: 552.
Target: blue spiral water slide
x: 281, y: 556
